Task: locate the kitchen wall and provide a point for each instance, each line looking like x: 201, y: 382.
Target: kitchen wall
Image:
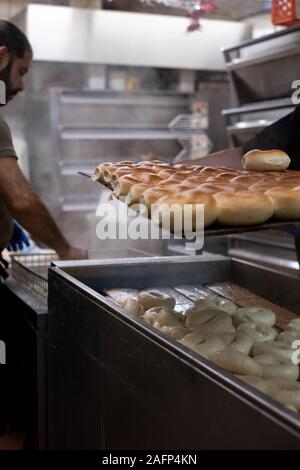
x: 262, y: 25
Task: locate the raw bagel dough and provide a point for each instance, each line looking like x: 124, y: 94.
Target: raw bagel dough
x: 210, y: 321
x: 254, y: 314
x: 257, y: 382
x: 285, y: 391
x: 236, y: 362
x: 121, y: 295
x: 133, y: 306
x: 288, y: 336
x: 240, y: 343
x: 294, y: 325
x: 152, y: 298
x: 175, y: 332
x: 216, y: 302
x: 202, y: 344
x: 157, y: 314
x: 164, y: 320
x: 274, y: 348
x: 257, y: 331
x: 276, y: 367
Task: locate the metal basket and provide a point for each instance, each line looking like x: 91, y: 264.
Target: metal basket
x: 190, y: 131
x: 31, y: 271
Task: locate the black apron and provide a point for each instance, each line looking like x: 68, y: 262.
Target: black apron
x: 283, y: 135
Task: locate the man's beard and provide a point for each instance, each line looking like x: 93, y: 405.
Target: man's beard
x: 5, y: 77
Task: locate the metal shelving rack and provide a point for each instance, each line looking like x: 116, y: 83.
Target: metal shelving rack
x: 93, y: 126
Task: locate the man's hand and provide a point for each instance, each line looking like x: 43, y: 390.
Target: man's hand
x: 72, y: 252
x: 27, y: 208
x: 19, y: 239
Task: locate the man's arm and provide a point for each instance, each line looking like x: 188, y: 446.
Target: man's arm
x: 27, y: 208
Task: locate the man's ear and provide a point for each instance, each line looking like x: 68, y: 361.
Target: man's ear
x: 4, y: 57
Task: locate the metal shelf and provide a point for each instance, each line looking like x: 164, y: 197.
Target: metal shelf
x: 94, y: 126
x: 263, y: 39
x: 73, y: 205
x: 254, y: 126
x: 124, y: 98
x: 241, y: 63
x: 115, y: 134
x: 271, y: 105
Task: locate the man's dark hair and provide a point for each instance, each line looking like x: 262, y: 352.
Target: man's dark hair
x: 14, y: 39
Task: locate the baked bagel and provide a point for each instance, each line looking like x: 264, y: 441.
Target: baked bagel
x: 243, y: 208
x: 266, y: 160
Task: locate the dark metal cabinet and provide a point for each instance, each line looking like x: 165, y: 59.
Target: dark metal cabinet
x: 24, y: 323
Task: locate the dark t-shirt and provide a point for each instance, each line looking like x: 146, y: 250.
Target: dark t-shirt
x: 283, y: 135
x: 6, y: 151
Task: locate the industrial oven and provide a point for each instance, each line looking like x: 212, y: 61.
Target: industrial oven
x: 257, y: 99
x: 117, y: 383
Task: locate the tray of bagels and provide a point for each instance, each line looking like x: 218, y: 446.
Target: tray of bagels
x: 240, y: 332
x: 263, y: 195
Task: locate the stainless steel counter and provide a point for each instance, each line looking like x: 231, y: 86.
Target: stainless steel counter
x: 116, y: 383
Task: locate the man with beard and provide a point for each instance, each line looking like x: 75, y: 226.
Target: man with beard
x: 18, y: 200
